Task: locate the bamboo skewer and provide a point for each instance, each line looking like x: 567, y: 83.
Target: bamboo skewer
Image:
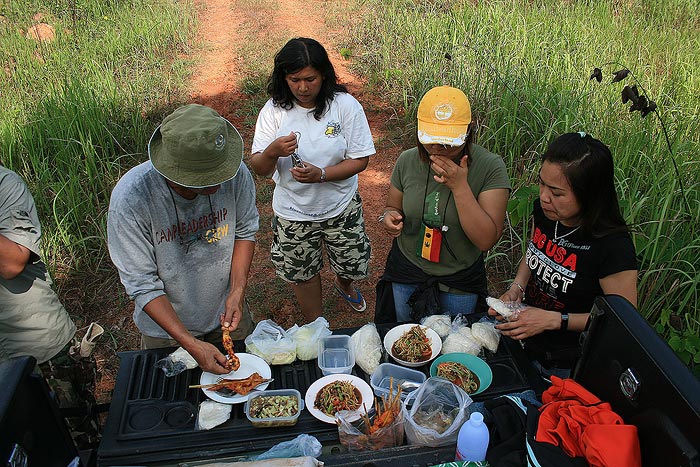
x: 207, y: 386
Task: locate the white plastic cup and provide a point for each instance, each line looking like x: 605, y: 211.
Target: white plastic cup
x: 473, y: 439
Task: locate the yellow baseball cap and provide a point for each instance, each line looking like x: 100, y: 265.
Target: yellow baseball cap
x: 444, y: 115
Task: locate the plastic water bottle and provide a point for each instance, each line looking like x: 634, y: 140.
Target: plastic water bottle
x: 473, y: 439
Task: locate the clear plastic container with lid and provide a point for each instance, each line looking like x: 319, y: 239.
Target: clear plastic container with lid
x: 275, y: 407
x: 336, y: 354
x: 396, y: 375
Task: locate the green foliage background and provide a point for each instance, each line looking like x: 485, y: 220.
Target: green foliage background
x: 525, y: 66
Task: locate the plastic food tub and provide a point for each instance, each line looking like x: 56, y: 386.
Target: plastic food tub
x: 273, y: 396
x: 336, y: 355
x: 408, y: 379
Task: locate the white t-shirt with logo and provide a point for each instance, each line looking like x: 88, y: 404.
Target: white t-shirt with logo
x: 341, y: 133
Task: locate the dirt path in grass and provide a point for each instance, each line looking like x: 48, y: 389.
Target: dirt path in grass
x: 228, y: 28
x: 237, y: 36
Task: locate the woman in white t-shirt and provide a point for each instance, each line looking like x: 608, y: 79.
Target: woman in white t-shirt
x: 313, y: 138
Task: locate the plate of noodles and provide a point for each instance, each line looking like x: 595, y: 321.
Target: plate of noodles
x: 336, y: 392
x: 466, y: 371
x: 412, y: 345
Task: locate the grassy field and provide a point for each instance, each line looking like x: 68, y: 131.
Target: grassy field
x: 526, y: 68
x: 76, y: 112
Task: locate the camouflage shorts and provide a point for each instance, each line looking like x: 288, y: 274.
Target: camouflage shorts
x: 297, y: 246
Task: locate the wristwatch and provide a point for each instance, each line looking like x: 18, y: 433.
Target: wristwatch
x: 323, y: 176
x: 564, y: 322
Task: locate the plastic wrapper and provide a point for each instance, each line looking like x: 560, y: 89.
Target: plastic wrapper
x: 272, y: 343
x: 302, y: 445
x: 368, y: 347
x: 434, y: 413
x: 211, y: 414
x: 509, y: 310
x: 460, y: 339
x: 486, y: 334
x: 441, y: 324
x: 176, y: 362
x: 457, y: 342
x: 307, y: 337
x: 353, y: 433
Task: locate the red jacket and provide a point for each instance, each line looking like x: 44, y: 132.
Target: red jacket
x: 584, y: 426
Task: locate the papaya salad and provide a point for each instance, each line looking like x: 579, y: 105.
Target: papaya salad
x: 337, y: 396
x: 459, y: 375
x: 413, y: 346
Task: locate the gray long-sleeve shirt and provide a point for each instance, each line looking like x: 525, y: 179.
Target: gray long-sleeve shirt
x: 164, y: 244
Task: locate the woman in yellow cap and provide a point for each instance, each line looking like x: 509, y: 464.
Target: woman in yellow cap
x: 445, y: 207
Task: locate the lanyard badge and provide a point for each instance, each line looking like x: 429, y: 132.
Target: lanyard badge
x: 429, y: 247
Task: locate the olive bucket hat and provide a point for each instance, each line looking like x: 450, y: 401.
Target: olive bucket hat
x: 195, y: 147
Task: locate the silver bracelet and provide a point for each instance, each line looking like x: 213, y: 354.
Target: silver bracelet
x: 522, y: 291
x: 323, y: 176
x: 383, y: 216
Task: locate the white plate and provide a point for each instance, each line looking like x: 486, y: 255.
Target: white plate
x: 249, y: 364
x: 398, y: 331
x: 315, y: 388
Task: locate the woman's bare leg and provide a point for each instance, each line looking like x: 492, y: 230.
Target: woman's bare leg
x: 308, y: 296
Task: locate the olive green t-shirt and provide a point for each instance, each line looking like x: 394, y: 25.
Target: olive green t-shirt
x: 487, y: 171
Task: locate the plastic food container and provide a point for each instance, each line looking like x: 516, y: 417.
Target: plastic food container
x: 263, y: 397
x: 336, y: 355
x: 408, y: 379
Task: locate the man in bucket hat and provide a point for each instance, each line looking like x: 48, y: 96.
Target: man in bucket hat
x: 181, y: 231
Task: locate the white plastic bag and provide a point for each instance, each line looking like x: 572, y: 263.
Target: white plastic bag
x: 458, y: 342
x: 485, y: 333
x: 211, y: 414
x: 307, y: 337
x: 509, y: 310
x: 272, y: 343
x: 302, y: 445
x: 368, y: 347
x: 434, y: 413
x: 176, y: 362
x: 438, y: 323
x: 460, y: 339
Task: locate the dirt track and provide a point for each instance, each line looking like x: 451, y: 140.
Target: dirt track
x: 226, y: 25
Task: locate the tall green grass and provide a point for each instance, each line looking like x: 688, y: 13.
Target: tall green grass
x: 525, y: 66
x: 76, y: 112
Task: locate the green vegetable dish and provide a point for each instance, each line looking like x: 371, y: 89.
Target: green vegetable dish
x: 274, y: 406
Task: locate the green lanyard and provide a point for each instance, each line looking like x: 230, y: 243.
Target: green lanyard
x: 438, y: 221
